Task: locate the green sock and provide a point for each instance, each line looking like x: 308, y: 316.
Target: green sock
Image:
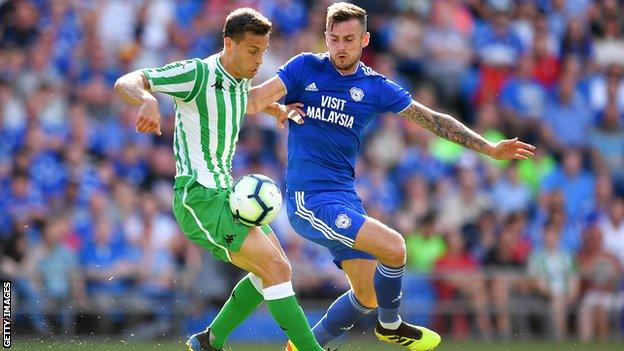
x: 290, y: 317
x: 244, y: 299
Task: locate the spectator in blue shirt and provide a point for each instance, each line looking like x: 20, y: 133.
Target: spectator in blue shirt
x: 522, y: 100
x: 607, y: 142
x: 496, y: 43
x: 48, y: 174
x: 108, y: 271
x: 105, y: 268
x: 567, y: 116
x: 26, y: 202
x: 509, y: 193
x: 57, y: 268
x: 380, y: 194
x: 576, y: 184
x: 577, y: 40
x: 131, y: 165
x: 289, y: 16
x: 447, y: 49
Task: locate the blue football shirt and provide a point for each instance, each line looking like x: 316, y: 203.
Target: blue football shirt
x: 323, y: 150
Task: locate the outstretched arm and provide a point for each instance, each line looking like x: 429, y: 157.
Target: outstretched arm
x: 449, y: 128
x: 263, y: 98
x: 134, y: 89
x: 263, y: 95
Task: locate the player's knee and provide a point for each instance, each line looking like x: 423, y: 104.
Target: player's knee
x: 395, y: 254
x: 276, y: 270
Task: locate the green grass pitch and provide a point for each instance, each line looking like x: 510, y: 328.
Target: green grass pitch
x: 359, y: 345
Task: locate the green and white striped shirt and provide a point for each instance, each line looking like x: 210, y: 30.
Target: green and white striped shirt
x: 209, y: 108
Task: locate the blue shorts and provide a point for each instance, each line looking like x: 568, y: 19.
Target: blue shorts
x: 331, y: 219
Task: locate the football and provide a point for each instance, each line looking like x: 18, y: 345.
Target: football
x: 255, y: 200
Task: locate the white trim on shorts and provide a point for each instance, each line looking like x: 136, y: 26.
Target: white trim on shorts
x: 199, y: 223
x: 317, y: 224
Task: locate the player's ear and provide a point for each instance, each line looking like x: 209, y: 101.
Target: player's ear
x: 365, y: 39
x: 227, y: 43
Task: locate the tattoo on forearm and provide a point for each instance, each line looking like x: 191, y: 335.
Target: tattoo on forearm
x: 444, y: 126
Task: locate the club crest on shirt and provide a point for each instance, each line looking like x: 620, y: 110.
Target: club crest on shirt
x: 356, y: 94
x: 343, y: 221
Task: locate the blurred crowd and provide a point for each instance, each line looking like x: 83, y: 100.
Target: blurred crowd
x: 85, y: 201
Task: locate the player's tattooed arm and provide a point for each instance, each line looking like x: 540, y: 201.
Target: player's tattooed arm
x: 451, y: 129
x: 445, y: 126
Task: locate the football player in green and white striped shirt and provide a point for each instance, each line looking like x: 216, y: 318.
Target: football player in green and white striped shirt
x: 211, y: 97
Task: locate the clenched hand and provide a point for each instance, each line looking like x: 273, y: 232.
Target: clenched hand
x: 149, y: 117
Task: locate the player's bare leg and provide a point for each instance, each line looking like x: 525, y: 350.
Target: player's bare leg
x: 245, y: 298
x: 352, y: 306
x: 260, y: 256
x: 275, y: 241
x: 367, y: 285
x: 388, y: 246
x: 263, y: 257
x: 361, y: 273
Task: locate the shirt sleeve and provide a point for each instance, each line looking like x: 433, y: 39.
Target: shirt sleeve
x: 179, y: 79
x: 393, y: 97
x: 290, y: 73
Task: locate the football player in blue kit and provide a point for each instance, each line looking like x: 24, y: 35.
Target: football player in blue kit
x: 340, y: 95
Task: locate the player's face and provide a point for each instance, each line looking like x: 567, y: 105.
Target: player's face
x: 345, y: 41
x: 247, y: 53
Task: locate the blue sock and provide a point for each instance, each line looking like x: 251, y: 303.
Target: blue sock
x: 388, y: 288
x: 340, y: 317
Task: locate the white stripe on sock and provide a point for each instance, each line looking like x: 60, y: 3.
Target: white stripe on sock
x: 278, y: 291
x: 355, y: 303
x: 389, y: 269
x: 390, y: 274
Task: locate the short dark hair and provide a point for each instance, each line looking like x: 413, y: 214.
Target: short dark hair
x: 342, y: 12
x: 243, y: 20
